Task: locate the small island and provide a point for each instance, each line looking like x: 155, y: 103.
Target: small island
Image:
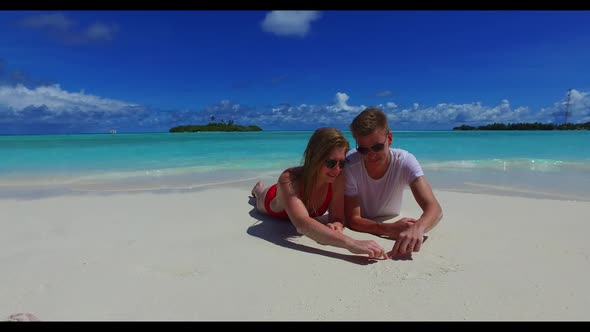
x: 528, y: 126
x: 214, y: 126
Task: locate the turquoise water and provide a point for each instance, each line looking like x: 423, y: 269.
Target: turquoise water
x: 531, y: 163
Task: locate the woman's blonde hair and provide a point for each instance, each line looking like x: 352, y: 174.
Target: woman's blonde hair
x: 319, y: 147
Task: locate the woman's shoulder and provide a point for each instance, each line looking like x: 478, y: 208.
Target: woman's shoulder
x: 290, y: 174
x: 292, y: 171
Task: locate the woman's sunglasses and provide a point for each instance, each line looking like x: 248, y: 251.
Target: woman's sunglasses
x: 331, y: 163
x: 376, y: 148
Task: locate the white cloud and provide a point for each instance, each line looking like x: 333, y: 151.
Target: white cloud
x: 579, y: 108
x: 52, y: 105
x: 289, y: 23
x: 580, y: 103
x: 101, y: 31
x: 385, y: 93
x: 455, y: 114
x: 341, y: 99
x: 56, y: 100
x: 341, y: 111
x: 56, y: 21
x: 444, y: 115
x: 63, y: 28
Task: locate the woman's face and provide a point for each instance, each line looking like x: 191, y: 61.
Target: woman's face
x: 332, y: 166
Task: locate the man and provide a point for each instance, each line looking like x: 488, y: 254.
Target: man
x: 376, y: 176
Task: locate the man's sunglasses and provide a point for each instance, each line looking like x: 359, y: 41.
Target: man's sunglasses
x: 376, y: 148
x: 331, y: 163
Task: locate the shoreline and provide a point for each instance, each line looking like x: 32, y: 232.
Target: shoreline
x: 438, y: 182
x: 207, y: 255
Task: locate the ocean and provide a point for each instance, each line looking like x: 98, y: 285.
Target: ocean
x: 540, y: 164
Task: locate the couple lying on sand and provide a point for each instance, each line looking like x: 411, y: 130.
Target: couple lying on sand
x: 357, y: 186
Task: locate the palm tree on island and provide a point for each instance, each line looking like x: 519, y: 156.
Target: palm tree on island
x: 214, y: 126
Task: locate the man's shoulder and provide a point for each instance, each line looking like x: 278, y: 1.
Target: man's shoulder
x: 398, y: 151
x: 353, y: 157
x: 406, y: 161
x: 353, y: 164
x: 400, y: 154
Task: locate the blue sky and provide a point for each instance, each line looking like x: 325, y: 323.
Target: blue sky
x: 144, y: 71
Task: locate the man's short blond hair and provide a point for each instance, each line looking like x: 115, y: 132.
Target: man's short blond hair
x: 369, y: 121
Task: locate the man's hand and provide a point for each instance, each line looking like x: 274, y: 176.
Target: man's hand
x: 396, y: 228
x: 408, y: 241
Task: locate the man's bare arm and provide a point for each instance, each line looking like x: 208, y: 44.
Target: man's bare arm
x: 357, y: 223
x: 431, y: 210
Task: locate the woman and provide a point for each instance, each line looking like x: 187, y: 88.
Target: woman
x: 308, y: 191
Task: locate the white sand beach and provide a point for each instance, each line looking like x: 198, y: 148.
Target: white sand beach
x: 207, y: 255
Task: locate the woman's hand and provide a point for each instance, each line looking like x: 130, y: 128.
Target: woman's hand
x: 368, y: 247
x: 337, y: 226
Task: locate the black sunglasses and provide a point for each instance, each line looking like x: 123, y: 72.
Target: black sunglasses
x: 331, y: 163
x: 376, y: 148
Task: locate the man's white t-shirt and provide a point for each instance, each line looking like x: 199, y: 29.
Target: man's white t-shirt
x: 381, y: 197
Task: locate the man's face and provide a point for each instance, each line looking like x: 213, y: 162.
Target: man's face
x: 374, y: 147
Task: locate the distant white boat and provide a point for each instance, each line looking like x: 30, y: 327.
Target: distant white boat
x: 112, y: 131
